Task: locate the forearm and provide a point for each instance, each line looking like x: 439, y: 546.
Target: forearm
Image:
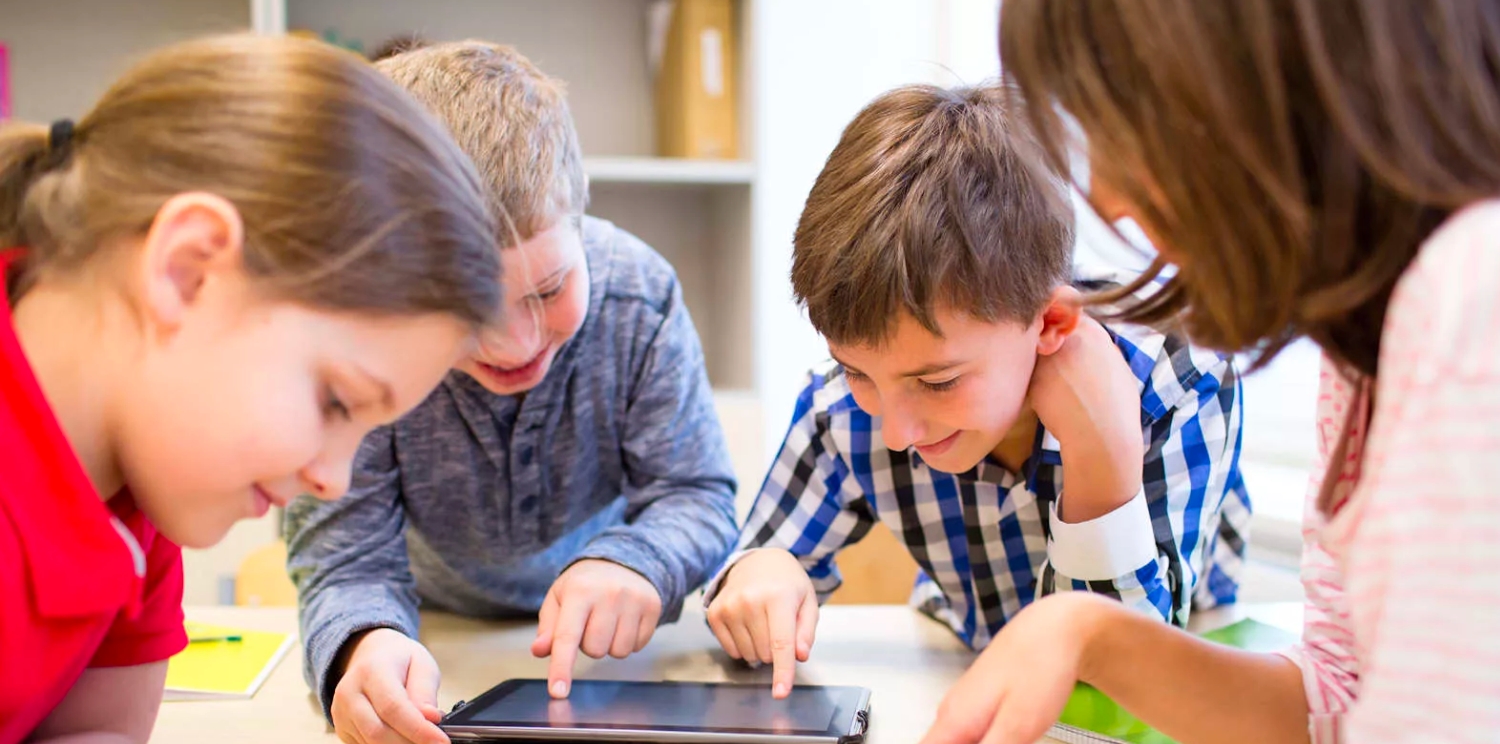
x: 675, y: 541
x: 1192, y: 690
x: 1098, y: 477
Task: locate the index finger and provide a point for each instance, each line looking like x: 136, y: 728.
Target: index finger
x: 400, y: 713
x: 781, y: 621
x: 566, y: 636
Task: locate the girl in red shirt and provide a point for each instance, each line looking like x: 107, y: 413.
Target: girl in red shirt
x: 251, y: 251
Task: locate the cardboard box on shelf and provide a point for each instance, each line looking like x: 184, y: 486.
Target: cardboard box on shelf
x: 696, y: 101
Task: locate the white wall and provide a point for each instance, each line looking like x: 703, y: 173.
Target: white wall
x: 820, y: 63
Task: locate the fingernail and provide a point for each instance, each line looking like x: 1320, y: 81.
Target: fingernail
x: 780, y: 690
x: 559, y: 689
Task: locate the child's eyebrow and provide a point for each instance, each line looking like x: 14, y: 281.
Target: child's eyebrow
x: 550, y: 277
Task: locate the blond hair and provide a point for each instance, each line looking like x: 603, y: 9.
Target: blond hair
x: 928, y: 202
x: 511, y: 118
x: 352, y: 197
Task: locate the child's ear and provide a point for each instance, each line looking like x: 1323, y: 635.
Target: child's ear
x: 1059, y: 319
x: 194, y: 237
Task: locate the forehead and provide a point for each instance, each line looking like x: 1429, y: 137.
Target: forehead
x: 909, y: 345
x: 556, y: 247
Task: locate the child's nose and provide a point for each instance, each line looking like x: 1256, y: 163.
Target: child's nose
x: 327, y: 478
x: 899, y: 427
x: 516, y: 337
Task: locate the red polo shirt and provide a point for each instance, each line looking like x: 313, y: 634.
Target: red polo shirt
x: 82, y: 583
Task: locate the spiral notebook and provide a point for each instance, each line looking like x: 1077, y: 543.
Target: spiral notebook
x: 1090, y: 717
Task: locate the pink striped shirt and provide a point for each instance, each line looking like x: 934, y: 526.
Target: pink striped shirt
x: 1402, y: 637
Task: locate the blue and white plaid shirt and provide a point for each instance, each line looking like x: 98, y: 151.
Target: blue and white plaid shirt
x: 982, y: 537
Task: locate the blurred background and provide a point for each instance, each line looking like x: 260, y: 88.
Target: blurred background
x: 704, y: 124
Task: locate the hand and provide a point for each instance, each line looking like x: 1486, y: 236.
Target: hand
x: 1017, y: 688
x: 598, y: 607
x: 388, y: 694
x: 1085, y: 395
x: 767, y: 611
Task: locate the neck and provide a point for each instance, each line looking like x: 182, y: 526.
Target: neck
x: 69, y: 340
x: 1016, y: 447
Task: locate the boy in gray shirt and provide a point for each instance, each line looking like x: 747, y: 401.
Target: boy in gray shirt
x: 572, y: 467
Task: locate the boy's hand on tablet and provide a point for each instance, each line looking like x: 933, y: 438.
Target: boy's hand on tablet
x: 1085, y: 395
x: 767, y: 611
x: 388, y: 692
x: 1017, y: 688
x: 596, y: 606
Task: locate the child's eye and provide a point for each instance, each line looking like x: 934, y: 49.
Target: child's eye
x: 855, y: 376
x: 939, y: 387
x: 334, y: 408
x: 550, y: 294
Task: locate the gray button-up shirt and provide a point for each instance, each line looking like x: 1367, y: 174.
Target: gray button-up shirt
x: 475, y: 502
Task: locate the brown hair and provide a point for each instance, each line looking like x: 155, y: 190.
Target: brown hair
x: 1293, y: 154
x: 926, y: 203
x: 511, y: 118
x: 352, y: 197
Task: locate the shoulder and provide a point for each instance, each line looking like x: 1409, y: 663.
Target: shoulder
x: 625, y: 269
x: 1444, y: 315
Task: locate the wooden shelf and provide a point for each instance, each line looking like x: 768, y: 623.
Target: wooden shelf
x: 668, y: 171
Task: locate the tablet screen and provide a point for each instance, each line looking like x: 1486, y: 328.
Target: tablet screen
x: 665, y: 706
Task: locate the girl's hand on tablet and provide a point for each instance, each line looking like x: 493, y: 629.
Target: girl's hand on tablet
x: 767, y: 611
x: 598, y: 607
x: 1017, y: 688
x: 388, y: 692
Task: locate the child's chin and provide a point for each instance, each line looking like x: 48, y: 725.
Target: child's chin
x: 953, y: 463
x: 196, y: 536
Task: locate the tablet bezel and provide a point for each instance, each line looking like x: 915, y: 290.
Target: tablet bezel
x: 848, y: 725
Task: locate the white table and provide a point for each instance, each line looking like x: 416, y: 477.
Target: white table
x: 907, y: 660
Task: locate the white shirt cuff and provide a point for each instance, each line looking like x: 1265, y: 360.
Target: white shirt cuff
x: 1106, y: 547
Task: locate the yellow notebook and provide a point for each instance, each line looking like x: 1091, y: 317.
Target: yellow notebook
x: 224, y: 669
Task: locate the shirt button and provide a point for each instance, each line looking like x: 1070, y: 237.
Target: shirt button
x: 528, y: 503
x: 525, y: 455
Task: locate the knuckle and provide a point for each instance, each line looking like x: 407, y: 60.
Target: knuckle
x: 388, y: 709
x: 370, y: 730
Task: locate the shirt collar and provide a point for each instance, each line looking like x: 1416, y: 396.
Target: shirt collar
x: 80, y: 558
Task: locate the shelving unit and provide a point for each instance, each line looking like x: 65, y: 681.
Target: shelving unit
x: 645, y: 170
x: 804, y: 69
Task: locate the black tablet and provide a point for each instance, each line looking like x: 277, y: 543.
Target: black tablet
x: 673, y: 712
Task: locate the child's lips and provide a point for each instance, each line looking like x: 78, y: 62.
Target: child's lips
x: 938, y: 447
x: 516, y: 375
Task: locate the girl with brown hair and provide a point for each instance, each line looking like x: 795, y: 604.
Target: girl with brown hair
x: 250, y: 252
x: 1327, y: 169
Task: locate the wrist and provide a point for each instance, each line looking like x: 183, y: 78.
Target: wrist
x: 1097, y: 477
x: 1101, y: 624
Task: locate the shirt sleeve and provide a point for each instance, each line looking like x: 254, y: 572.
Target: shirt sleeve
x: 155, y: 631
x: 810, y: 505
x: 679, y: 483
x: 1151, y: 552
x: 348, y: 560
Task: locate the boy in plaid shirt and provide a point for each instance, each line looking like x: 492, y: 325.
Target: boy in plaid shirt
x: 966, y: 388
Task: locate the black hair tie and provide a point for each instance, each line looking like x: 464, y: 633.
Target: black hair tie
x: 60, y: 139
